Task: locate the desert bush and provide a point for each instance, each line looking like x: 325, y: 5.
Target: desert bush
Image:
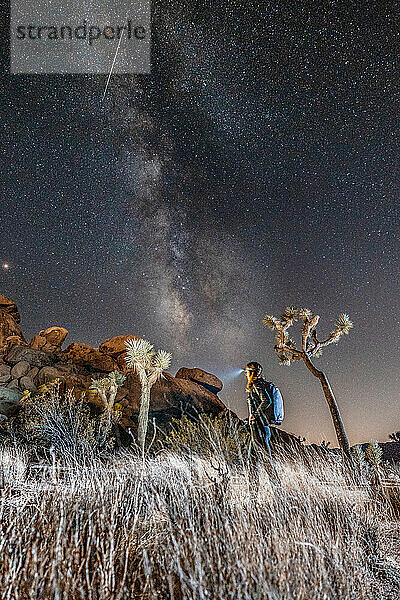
x: 56, y: 420
x: 209, y: 435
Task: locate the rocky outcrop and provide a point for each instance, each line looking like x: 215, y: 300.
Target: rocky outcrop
x: 115, y: 346
x: 36, y: 358
x: 9, y: 307
x: 10, y: 331
x: 170, y: 397
x: 82, y: 354
x: 50, y: 340
x: 207, y: 380
x: 28, y: 366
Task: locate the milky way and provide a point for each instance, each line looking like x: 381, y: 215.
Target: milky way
x: 255, y: 167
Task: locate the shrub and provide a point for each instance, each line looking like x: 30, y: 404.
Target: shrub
x: 209, y: 435
x: 51, y: 419
x: 374, y: 454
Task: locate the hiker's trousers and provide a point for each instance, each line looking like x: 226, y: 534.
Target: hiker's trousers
x: 264, y: 435
x: 267, y: 438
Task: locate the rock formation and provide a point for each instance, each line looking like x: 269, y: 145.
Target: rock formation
x: 207, y: 380
x: 10, y: 331
x: 26, y: 366
x: 50, y: 339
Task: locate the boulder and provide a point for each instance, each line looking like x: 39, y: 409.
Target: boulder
x: 36, y: 358
x: 13, y: 385
x: 50, y: 339
x: 33, y: 372
x: 20, y: 369
x: 26, y: 383
x: 115, y: 346
x: 9, y: 401
x: 9, y: 307
x: 5, y: 373
x: 69, y: 375
x: 10, y: 332
x: 55, y: 336
x: 207, y: 380
x: 192, y: 394
x: 170, y: 397
x: 47, y: 374
x: 37, y: 342
x: 87, y: 355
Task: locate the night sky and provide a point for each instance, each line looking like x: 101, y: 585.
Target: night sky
x: 255, y: 168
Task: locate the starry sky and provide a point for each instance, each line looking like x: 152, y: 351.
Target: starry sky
x: 256, y: 167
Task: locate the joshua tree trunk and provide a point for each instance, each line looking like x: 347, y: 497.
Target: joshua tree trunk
x: 333, y: 407
x: 143, y: 415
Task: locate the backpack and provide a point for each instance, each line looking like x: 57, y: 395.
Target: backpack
x: 275, y: 411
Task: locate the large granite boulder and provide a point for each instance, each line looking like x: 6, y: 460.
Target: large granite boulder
x: 49, y: 340
x: 9, y: 401
x: 82, y: 354
x: 115, y: 346
x: 207, y: 380
x: 170, y: 397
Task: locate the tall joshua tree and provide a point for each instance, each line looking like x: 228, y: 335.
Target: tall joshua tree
x: 311, y: 346
x: 149, y: 365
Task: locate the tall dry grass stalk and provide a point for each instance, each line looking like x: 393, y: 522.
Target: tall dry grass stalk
x: 173, y: 527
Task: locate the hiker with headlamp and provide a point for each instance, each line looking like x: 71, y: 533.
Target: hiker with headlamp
x: 265, y: 404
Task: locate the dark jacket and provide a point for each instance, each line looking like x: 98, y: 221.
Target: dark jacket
x: 259, y: 402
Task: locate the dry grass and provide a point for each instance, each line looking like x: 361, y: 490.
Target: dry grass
x: 177, y: 528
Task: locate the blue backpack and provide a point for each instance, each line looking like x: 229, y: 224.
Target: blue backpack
x: 275, y: 411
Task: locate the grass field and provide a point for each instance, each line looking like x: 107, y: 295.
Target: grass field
x: 184, y: 527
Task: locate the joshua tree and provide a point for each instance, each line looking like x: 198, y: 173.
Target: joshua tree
x: 107, y: 388
x: 149, y: 365
x: 311, y: 346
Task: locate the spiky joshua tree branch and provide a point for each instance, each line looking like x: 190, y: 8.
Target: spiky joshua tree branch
x: 149, y: 365
x: 311, y: 346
